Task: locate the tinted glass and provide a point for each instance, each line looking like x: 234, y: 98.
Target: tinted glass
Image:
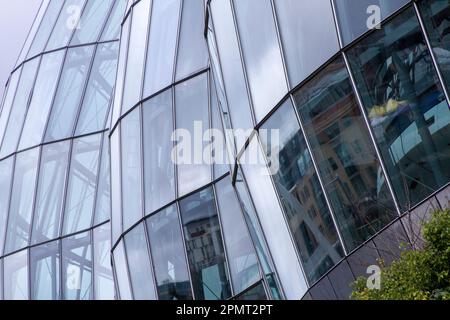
x: 204, y: 246
x: 302, y: 198
x: 103, y: 279
x: 103, y: 197
x: 15, y: 280
x: 113, y: 25
x: 166, y: 243
x: 346, y: 158
x: 406, y: 107
x: 255, y: 293
x: 45, y: 270
x: 121, y: 271
x: 6, y: 175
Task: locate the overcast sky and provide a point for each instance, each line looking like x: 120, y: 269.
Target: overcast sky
x: 16, y: 18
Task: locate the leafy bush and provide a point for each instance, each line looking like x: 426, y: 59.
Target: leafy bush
x: 418, y: 274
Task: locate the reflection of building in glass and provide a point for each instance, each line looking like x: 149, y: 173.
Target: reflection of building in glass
x: 93, y: 207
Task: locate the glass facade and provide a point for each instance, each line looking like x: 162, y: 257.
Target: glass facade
x: 120, y: 176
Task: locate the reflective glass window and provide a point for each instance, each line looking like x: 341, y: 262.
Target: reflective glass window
x: 6, y: 175
x: 50, y: 193
x: 121, y: 271
x: 356, y: 16
x: 192, y: 51
x: 131, y: 168
x: 113, y: 25
x: 162, y: 45
x: 244, y: 267
x: 302, y: 198
x: 307, y: 40
x: 15, y: 280
x: 103, y: 197
x: 406, y: 107
x: 232, y: 69
x: 116, y: 193
x: 139, y: 264
x: 45, y: 28
x: 41, y: 101
x: 19, y: 108
x: 44, y: 271
x: 262, y: 54
x: 192, y: 120
x: 22, y: 198
x: 82, y: 184
x: 346, y: 158
x: 91, y: 22
x: 77, y: 267
x: 204, y: 246
x: 435, y: 15
x: 97, y: 99
x: 158, y: 166
x: 68, y: 21
x: 68, y: 95
x: 166, y: 243
x: 255, y: 293
x: 7, y: 102
x: 103, y: 279
x: 136, y: 55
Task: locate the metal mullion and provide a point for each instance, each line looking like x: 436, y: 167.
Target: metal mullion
x: 269, y: 252
x: 336, y: 24
x: 222, y: 235
x: 91, y: 237
x: 177, y: 45
x: 432, y: 53
x: 280, y: 46
x: 183, y: 240
x: 319, y: 177
x: 243, y: 64
x: 371, y: 133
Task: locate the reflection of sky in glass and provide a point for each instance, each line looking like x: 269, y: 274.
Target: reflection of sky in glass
x: 16, y: 18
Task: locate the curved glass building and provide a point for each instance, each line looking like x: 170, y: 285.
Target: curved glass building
x: 221, y: 149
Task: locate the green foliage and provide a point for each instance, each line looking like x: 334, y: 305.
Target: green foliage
x: 418, y: 274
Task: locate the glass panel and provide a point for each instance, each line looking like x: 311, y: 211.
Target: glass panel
x: 166, y: 243
x: 136, y: 55
x: 192, y: 51
x: 91, y: 22
x: 435, y: 15
x: 15, y: 283
x: 42, y: 97
x: 1, y: 279
x: 51, y: 186
x: 131, y: 168
x: 159, y: 168
x: 204, y: 246
x: 22, y: 198
x: 68, y: 95
x: 19, y: 108
x: 113, y: 25
x: 121, y: 271
x: 99, y: 90
x: 116, y: 193
x: 162, y: 45
x: 68, y: 22
x: 218, y: 145
x: 103, y: 198
x: 261, y: 53
x: 244, y: 267
x: 254, y: 294
x: 273, y: 223
x: 82, y: 184
x: 232, y: 70
x: 5, y: 108
x: 406, y: 107
x: 6, y: 175
x: 346, y: 158
x: 139, y: 263
x: 45, y: 269
x: 45, y: 28
x: 354, y: 16
x: 77, y: 267
x: 302, y: 198
x: 103, y: 279
x: 308, y: 41
x: 192, y: 119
